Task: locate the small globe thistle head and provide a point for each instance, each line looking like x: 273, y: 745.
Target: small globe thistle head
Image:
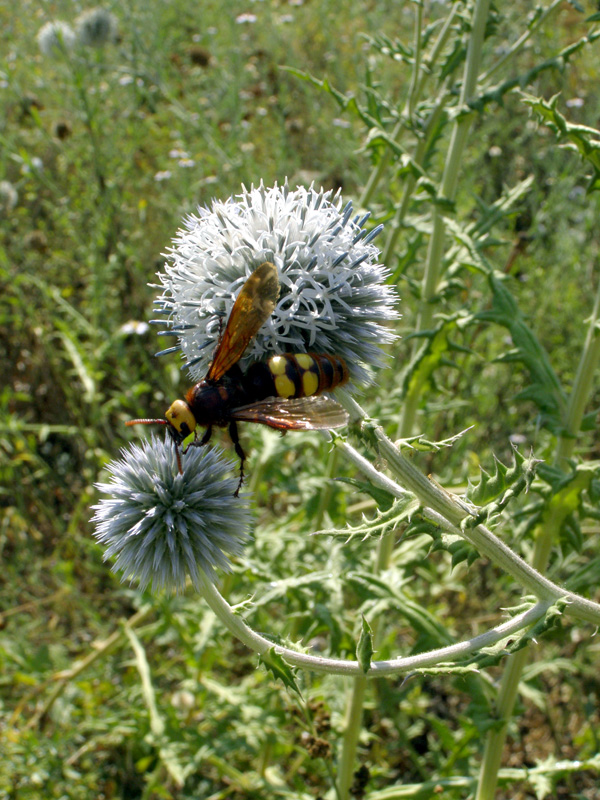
x: 9, y: 197
x: 55, y: 37
x: 160, y: 525
x: 96, y: 27
x: 333, y: 298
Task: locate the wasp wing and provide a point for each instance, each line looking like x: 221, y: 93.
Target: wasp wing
x: 252, y: 308
x: 303, y: 414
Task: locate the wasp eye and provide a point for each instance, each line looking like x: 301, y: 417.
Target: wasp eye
x: 184, y: 430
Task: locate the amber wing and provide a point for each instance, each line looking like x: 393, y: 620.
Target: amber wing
x: 252, y: 308
x: 304, y: 414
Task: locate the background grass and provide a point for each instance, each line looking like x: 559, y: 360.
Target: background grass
x: 107, y: 153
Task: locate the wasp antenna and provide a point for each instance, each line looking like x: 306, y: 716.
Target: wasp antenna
x: 146, y: 422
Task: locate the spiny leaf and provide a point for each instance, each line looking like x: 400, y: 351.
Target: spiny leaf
x: 392, y: 48
x: 495, y: 94
x: 418, y: 374
x: 384, y: 521
x: 364, y: 649
x: 505, y: 484
x: 491, y: 486
x: 490, y: 656
x: 462, y: 551
x: 585, y: 140
x: 383, y: 499
x: 545, y: 390
x: 421, y: 444
x: 565, y: 499
x: 447, y: 668
x: 590, y: 420
x: 280, y: 670
x: 345, y: 102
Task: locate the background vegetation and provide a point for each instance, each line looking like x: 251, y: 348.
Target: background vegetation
x: 108, y: 148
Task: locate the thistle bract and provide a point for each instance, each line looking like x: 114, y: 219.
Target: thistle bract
x: 161, y: 526
x: 333, y: 298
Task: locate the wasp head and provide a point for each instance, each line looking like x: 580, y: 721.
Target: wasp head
x: 180, y: 420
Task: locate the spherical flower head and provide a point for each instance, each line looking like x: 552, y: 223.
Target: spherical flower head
x: 96, y: 27
x: 54, y: 37
x: 333, y: 297
x: 161, y: 526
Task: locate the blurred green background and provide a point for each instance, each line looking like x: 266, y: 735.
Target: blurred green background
x: 107, y: 150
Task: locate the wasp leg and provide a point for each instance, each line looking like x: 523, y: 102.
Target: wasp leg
x: 233, y: 433
x: 204, y: 440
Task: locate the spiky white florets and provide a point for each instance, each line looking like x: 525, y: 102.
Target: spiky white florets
x: 160, y: 526
x: 54, y: 37
x: 96, y: 27
x: 333, y: 296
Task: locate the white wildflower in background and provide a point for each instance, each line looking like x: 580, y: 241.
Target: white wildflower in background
x: 32, y: 165
x: 134, y: 326
x: 9, y: 197
x: 96, y: 27
x: 53, y: 37
x: 160, y: 526
x: 333, y: 296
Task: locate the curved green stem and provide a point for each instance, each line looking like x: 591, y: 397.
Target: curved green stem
x: 395, y: 666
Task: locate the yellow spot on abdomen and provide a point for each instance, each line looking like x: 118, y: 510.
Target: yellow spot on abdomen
x: 310, y: 383
x: 284, y: 386
x: 304, y: 360
x: 277, y: 365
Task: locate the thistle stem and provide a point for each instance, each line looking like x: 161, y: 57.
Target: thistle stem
x: 415, y: 94
x: 336, y: 666
x: 582, y: 386
x: 352, y: 728
x: 447, y: 191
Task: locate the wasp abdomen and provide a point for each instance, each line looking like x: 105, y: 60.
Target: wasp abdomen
x: 294, y: 375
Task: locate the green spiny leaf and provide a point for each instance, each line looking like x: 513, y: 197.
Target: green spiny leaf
x: 564, y: 499
x: 384, y: 500
x: 418, y: 374
x: 506, y: 484
x: 384, y: 521
x: 546, y: 390
x: 423, y: 445
x: 581, y: 138
x: 280, y: 670
x: 492, y: 486
x: 364, y: 649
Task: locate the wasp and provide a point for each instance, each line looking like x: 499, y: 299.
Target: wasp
x: 283, y: 391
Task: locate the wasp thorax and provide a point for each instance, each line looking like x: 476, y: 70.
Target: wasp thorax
x: 181, y: 418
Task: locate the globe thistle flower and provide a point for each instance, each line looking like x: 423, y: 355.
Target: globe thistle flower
x: 53, y: 37
x: 333, y: 298
x: 96, y: 27
x: 160, y: 525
